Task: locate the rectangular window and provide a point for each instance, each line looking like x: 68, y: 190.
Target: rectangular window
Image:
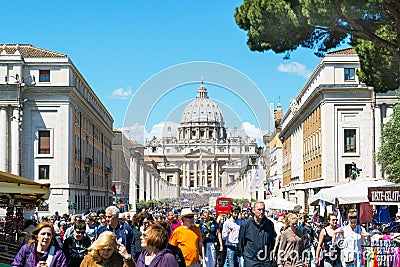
x: 350, y: 140
x: 44, y: 75
x: 44, y: 172
x: 44, y: 142
x: 349, y: 74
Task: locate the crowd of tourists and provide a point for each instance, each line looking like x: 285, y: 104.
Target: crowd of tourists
x: 187, y: 237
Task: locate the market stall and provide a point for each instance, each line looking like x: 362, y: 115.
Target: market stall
x: 16, y: 195
x: 280, y: 203
x: 347, y: 193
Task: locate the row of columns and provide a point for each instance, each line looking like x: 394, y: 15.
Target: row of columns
x: 200, y: 174
x: 144, y: 182
x: 209, y: 133
x: 9, y: 140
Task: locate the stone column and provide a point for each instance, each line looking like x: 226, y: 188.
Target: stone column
x: 141, y: 183
x: 195, y: 174
x: 147, y: 191
x: 217, y: 171
x: 183, y: 174
x: 3, y: 139
x: 132, y: 183
x: 213, y: 174
x: 205, y: 181
x: 188, y: 174
x: 15, y: 144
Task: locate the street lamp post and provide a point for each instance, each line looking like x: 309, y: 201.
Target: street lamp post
x: 88, y: 166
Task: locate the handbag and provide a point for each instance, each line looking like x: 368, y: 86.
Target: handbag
x: 349, y: 258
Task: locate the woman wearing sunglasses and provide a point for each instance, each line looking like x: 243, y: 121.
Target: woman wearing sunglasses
x: 353, y: 234
x: 327, y: 245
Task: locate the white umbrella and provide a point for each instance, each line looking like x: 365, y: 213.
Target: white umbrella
x: 278, y: 203
x: 347, y: 193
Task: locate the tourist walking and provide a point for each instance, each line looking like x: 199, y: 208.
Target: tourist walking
x: 122, y: 230
x: 327, y: 245
x: 106, y: 252
x: 290, y: 245
x: 257, y: 238
x: 75, y: 246
x: 188, y: 238
x: 40, y: 250
x: 230, y: 232
x: 353, y: 235
x: 155, y: 254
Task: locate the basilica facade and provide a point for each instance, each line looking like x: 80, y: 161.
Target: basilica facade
x: 196, y: 159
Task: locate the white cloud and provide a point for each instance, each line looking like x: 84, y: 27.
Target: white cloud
x: 250, y: 130
x: 295, y: 67
x: 121, y: 93
x: 138, y: 133
x: 135, y: 132
x: 164, y: 129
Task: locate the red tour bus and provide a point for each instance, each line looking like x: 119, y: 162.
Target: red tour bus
x: 223, y: 205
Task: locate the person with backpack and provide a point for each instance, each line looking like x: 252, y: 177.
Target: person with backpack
x: 40, y: 250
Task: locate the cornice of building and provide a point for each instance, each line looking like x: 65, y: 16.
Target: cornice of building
x: 320, y: 90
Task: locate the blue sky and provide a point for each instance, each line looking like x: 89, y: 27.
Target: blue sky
x: 118, y: 46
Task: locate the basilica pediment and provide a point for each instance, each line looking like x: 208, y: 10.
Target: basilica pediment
x: 199, y: 152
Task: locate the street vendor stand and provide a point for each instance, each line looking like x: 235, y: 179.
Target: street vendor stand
x: 348, y: 193
x: 16, y: 195
x: 279, y: 203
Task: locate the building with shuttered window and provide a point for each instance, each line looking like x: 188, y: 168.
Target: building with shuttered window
x: 53, y: 128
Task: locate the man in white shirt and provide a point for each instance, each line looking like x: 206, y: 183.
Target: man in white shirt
x: 230, y: 232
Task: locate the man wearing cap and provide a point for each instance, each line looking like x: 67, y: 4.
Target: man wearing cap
x: 257, y: 238
x: 188, y: 238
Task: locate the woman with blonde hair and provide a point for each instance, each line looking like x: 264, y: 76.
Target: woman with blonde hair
x: 290, y: 246
x: 353, y: 234
x: 105, y: 251
x: 40, y: 250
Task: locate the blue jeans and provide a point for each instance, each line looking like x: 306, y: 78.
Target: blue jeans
x: 233, y: 257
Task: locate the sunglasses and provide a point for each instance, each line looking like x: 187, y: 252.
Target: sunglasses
x: 79, y: 232
x: 352, y: 217
x: 335, y: 220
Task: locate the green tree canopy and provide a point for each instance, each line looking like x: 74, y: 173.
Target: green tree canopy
x: 389, y: 152
x: 371, y: 26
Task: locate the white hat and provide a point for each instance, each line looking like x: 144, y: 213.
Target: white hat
x: 186, y: 212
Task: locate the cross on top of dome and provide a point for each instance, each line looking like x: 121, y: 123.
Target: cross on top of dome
x: 202, y: 91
